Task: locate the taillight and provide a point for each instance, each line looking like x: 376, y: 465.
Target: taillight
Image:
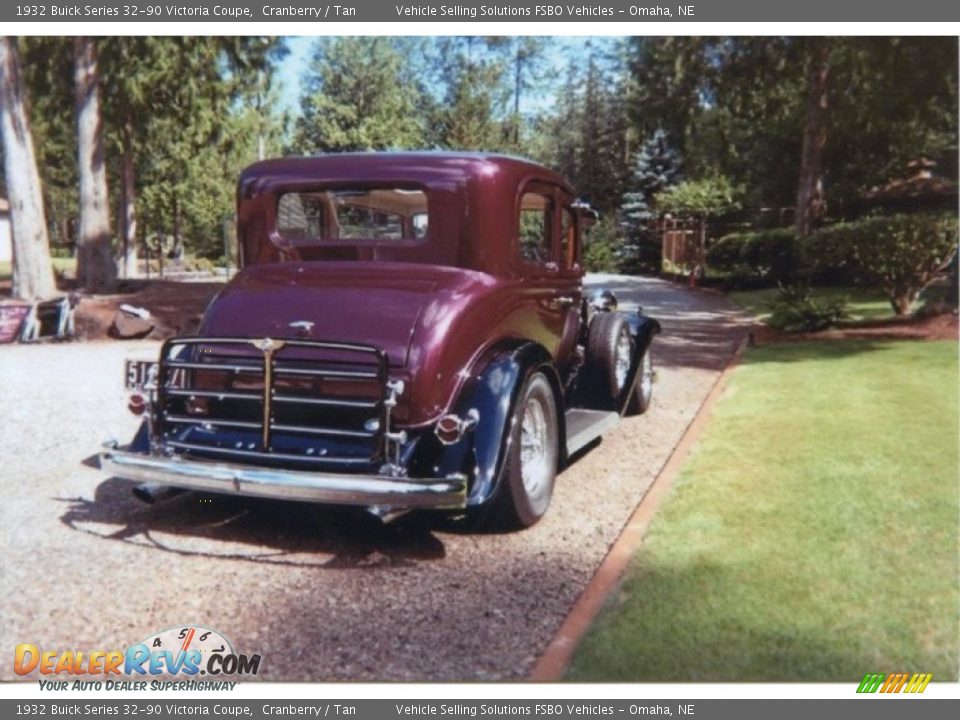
x: 137, y: 404
x: 450, y: 428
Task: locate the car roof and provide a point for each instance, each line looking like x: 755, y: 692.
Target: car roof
x: 426, y: 167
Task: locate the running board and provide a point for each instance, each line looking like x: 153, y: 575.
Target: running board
x: 585, y: 426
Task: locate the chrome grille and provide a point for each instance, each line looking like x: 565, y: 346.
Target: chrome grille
x: 273, y: 399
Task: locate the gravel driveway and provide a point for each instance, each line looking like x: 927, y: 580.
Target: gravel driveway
x: 321, y: 594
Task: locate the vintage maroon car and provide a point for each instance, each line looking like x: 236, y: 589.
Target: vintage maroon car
x: 408, y: 330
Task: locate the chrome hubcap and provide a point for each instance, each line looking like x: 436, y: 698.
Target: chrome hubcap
x: 622, y: 366
x: 534, y: 448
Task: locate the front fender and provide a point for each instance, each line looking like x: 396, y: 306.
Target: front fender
x: 492, y: 391
x: 643, y: 329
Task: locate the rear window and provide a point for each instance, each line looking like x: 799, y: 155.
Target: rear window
x: 345, y: 215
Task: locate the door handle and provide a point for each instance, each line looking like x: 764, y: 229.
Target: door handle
x: 564, y: 300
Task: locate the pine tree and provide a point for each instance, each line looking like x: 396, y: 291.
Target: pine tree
x: 476, y: 96
x: 96, y: 268
x: 47, y: 65
x: 32, y: 273
x: 657, y: 167
x: 358, y: 97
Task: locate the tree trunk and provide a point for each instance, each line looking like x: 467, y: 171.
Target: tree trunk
x: 32, y: 269
x: 63, y: 229
x: 96, y: 267
x: 518, y: 80
x: 261, y: 140
x: 810, y: 202
x: 902, y: 302
x: 129, y: 205
x: 177, y: 251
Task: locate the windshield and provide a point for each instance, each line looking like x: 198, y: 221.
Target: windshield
x: 345, y: 214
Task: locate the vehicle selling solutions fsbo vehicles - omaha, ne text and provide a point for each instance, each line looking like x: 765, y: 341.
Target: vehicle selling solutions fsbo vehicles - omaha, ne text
x: 408, y: 330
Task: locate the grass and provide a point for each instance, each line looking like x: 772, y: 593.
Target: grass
x: 862, y: 303
x: 59, y: 264
x: 812, y: 534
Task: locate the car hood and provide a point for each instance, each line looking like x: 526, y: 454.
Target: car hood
x: 374, y: 304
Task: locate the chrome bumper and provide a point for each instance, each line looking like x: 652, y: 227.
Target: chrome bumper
x: 320, y: 487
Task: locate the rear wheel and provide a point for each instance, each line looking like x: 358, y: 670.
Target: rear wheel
x: 530, y: 467
x: 609, y: 354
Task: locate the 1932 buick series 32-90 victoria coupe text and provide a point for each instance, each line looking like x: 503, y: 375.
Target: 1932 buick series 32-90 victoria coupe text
x: 408, y: 331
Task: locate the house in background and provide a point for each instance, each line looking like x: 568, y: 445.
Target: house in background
x: 6, y: 236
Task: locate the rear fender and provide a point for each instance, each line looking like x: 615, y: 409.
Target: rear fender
x: 492, y: 391
x: 141, y: 441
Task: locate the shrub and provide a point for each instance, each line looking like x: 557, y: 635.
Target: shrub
x: 59, y: 251
x: 600, y: 247
x: 725, y: 253
x: 795, y: 310
x: 901, y: 254
x: 765, y: 255
x: 192, y: 263
x: 202, y: 264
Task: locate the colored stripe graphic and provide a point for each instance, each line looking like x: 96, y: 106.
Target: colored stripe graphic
x: 918, y: 683
x: 894, y: 682
x: 871, y: 682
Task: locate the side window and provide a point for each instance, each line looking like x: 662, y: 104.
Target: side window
x: 568, y: 239
x: 536, y: 228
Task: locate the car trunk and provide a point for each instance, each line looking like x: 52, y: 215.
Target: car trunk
x: 331, y: 301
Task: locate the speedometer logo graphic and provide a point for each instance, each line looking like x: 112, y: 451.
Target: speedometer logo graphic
x: 183, y: 639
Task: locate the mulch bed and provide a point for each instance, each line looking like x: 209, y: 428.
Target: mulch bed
x: 936, y: 327
x: 175, y: 307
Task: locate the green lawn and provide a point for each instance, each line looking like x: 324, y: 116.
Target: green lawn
x: 812, y: 534
x: 61, y: 264
x: 863, y: 303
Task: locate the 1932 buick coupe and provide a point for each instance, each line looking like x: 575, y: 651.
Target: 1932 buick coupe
x: 408, y: 330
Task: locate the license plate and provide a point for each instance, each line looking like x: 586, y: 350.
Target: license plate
x: 138, y: 372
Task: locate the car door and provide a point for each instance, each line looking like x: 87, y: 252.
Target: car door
x: 548, y: 250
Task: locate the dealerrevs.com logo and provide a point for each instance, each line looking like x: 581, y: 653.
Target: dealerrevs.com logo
x: 184, y: 653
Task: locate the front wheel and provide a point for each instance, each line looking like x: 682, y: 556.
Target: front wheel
x: 530, y: 467
x: 643, y: 390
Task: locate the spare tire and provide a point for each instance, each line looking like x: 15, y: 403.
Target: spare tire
x: 609, y: 355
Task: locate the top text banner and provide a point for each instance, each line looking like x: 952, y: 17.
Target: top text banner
x: 317, y: 14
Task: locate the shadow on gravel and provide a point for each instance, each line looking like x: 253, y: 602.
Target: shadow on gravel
x: 254, y: 530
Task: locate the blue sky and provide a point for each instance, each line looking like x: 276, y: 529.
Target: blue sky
x: 291, y: 68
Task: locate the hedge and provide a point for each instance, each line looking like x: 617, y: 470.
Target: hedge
x: 765, y: 255
x: 901, y: 254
